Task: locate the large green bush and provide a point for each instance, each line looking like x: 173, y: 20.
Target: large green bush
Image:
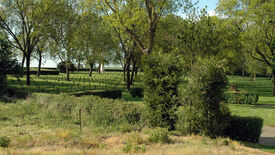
x: 162, y: 74
x: 204, y: 111
x: 62, y: 67
x: 244, y: 128
x: 242, y: 98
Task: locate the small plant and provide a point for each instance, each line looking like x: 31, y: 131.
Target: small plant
x: 4, y: 141
x: 159, y: 135
x: 133, y: 148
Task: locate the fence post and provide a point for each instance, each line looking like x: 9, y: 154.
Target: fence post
x: 80, y: 119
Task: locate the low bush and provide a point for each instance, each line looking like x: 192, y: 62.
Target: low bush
x: 244, y: 128
x: 4, y: 141
x: 159, y: 135
x: 98, y: 111
x: 242, y: 98
x: 113, y: 94
x: 136, y: 92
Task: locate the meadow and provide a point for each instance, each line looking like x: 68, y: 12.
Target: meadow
x: 50, y: 121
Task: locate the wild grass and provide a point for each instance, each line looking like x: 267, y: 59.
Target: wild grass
x: 49, y: 124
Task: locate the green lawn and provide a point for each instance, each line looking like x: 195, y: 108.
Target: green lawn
x: 266, y: 107
x: 55, y: 84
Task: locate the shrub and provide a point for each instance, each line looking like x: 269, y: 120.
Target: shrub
x: 159, y: 135
x: 128, y: 147
x: 62, y: 67
x: 204, y: 111
x: 244, y: 128
x: 98, y: 111
x: 136, y: 92
x: 4, y: 141
x: 242, y: 98
x: 162, y: 74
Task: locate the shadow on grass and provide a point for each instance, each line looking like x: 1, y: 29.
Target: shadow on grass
x: 256, y: 106
x: 259, y: 146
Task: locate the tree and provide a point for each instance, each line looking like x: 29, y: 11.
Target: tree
x: 130, y: 23
x: 24, y: 21
x: 255, y: 21
x: 63, y: 25
x: 40, y: 52
x: 8, y: 64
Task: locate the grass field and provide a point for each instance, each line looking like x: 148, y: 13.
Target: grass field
x: 38, y: 129
x: 266, y: 107
x: 78, y: 82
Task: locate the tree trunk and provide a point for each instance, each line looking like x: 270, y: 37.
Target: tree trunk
x: 23, y: 60
x: 243, y: 72
x: 78, y: 66
x: 28, y: 61
x: 99, y: 68
x: 124, y: 71
x: 91, y: 70
x: 128, y: 81
x: 39, y: 63
x: 136, y: 71
x: 67, y: 71
x: 273, y: 81
x: 255, y: 76
x: 133, y: 72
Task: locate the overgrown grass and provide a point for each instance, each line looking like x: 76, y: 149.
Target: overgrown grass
x: 49, y: 124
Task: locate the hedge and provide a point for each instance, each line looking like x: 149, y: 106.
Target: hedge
x: 113, y: 94
x: 242, y: 98
x: 244, y: 128
x: 136, y: 92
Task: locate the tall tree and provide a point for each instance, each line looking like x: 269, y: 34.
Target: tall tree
x: 63, y: 26
x: 255, y: 21
x: 24, y: 21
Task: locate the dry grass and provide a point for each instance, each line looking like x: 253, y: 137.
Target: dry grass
x: 65, y: 142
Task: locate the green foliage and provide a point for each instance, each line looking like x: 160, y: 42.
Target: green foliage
x: 162, y: 74
x: 159, y: 135
x: 99, y: 111
x: 204, y: 111
x: 244, y: 128
x: 8, y: 64
x: 136, y: 92
x: 242, y: 98
x: 128, y: 147
x: 62, y: 67
x: 113, y: 94
x: 4, y: 141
